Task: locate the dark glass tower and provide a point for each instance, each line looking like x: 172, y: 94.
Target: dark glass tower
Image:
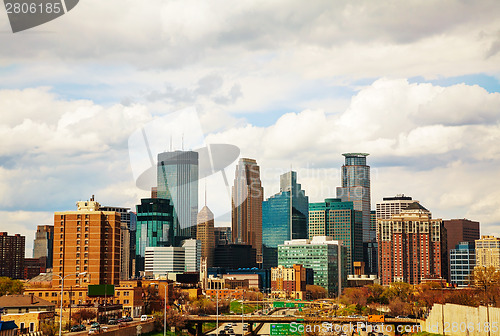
x: 154, y: 227
x: 284, y: 217
x: 178, y: 182
x: 356, y: 189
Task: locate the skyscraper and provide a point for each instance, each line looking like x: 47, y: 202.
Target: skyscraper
x: 247, y: 197
x: 356, y: 188
x: 12, y: 250
x: 177, y: 178
x: 488, y: 252
x: 339, y: 221
x: 462, y: 263
x: 412, y: 247
x: 392, y: 205
x: 205, y: 234
x: 284, y: 217
x: 87, y: 240
x: 43, y: 244
x: 154, y: 227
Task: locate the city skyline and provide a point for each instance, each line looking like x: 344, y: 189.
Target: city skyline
x: 296, y: 84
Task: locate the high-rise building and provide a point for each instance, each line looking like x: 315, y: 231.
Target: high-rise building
x: 12, y: 250
x: 488, y: 252
x: 43, y: 245
x: 247, y: 197
x: 460, y: 230
x: 192, y: 255
x: 178, y: 182
x: 324, y: 255
x: 356, y: 188
x: 233, y: 256
x: 223, y: 235
x: 170, y: 259
x: 339, y: 221
x: 125, y: 239
x: 284, y: 217
x: 462, y: 263
x: 289, y: 281
x: 393, y: 206
x: 154, y: 227
x: 412, y: 247
x: 205, y: 234
x: 87, y: 240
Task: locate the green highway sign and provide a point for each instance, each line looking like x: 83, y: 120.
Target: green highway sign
x: 279, y: 304
x: 284, y: 329
x: 290, y: 305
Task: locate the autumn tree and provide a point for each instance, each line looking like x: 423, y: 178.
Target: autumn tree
x: 487, y: 283
x: 10, y: 286
x: 357, y: 296
x: 400, y: 307
x: 49, y: 329
x: 316, y: 292
x: 83, y: 314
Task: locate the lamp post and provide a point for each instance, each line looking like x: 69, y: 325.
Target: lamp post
x: 62, y: 290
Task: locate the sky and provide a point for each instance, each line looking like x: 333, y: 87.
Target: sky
x: 416, y: 84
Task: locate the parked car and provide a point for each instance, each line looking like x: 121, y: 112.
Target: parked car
x: 95, y: 325
x: 113, y: 321
x: 78, y: 327
x: 93, y: 331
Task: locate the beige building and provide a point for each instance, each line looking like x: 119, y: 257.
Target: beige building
x: 288, y: 282
x: 488, y: 252
x: 27, y: 311
x: 86, y: 242
x: 205, y: 234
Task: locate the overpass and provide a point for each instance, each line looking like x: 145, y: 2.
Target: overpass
x: 251, y: 319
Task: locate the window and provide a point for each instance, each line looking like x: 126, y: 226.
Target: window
x: 125, y: 301
x: 32, y: 326
x: 86, y: 229
x: 77, y: 235
x: 78, y: 229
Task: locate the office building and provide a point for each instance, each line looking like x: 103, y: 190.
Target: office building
x: 161, y: 261
x: 289, y: 282
x: 462, y: 263
x: 43, y: 245
x: 154, y: 227
x: 12, y: 250
x: 284, y: 217
x: 356, y: 189
x: 206, y: 235
x: 33, y: 267
x: 488, y: 252
x: 234, y: 256
x: 324, y: 255
x: 392, y: 206
x: 338, y: 220
x: 125, y: 239
x: 412, y: 247
x: 86, y: 240
x: 178, y: 182
x: 247, y: 197
x: 460, y: 230
x: 223, y: 235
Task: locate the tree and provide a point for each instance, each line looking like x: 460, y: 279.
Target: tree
x: 487, y: 282
x: 400, y: 307
x: 357, y: 296
x: 49, y: 329
x: 316, y: 292
x: 83, y: 314
x: 10, y: 286
x: 401, y: 290
x: 376, y: 294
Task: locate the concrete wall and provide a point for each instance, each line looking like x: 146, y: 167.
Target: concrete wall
x: 457, y: 320
x: 131, y: 330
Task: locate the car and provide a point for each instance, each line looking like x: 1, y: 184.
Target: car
x: 95, y: 325
x: 144, y: 317
x: 128, y: 319
x: 222, y: 332
x: 78, y: 327
x: 93, y: 331
x: 104, y: 328
x: 401, y: 316
x: 113, y: 321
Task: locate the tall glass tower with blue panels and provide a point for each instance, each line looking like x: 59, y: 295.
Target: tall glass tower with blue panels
x: 177, y: 178
x: 284, y: 217
x: 154, y: 227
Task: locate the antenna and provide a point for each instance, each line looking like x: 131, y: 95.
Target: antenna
x: 205, y: 192
x: 182, y: 141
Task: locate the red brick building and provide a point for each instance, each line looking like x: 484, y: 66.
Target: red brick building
x: 412, y: 247
x: 288, y: 282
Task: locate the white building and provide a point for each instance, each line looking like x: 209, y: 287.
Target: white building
x: 160, y: 261
x: 393, y: 206
x: 192, y: 253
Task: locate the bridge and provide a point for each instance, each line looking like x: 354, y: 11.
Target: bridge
x: 251, y: 319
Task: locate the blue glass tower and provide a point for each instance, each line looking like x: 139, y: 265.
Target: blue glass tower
x: 284, y: 217
x: 154, y: 227
x: 178, y: 182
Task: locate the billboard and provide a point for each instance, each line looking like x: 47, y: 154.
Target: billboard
x: 101, y: 290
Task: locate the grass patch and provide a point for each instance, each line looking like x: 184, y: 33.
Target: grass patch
x: 235, y: 307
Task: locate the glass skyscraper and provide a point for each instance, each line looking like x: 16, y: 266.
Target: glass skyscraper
x: 154, y: 227
x: 356, y: 188
x: 284, y: 217
x: 462, y: 263
x: 338, y: 220
x: 177, y: 178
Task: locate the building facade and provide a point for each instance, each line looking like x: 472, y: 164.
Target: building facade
x: 205, y: 233
x: 154, y: 227
x: 324, y: 255
x: 392, y: 206
x: 43, y: 245
x: 460, y: 230
x: 289, y: 282
x: 246, y: 213
x: 159, y: 261
x: 284, y: 217
x: 12, y: 250
x: 412, y: 247
x: 177, y: 178
x: 338, y: 220
x: 488, y: 252
x: 223, y: 235
x: 235, y: 256
x: 86, y: 241
x: 462, y: 263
